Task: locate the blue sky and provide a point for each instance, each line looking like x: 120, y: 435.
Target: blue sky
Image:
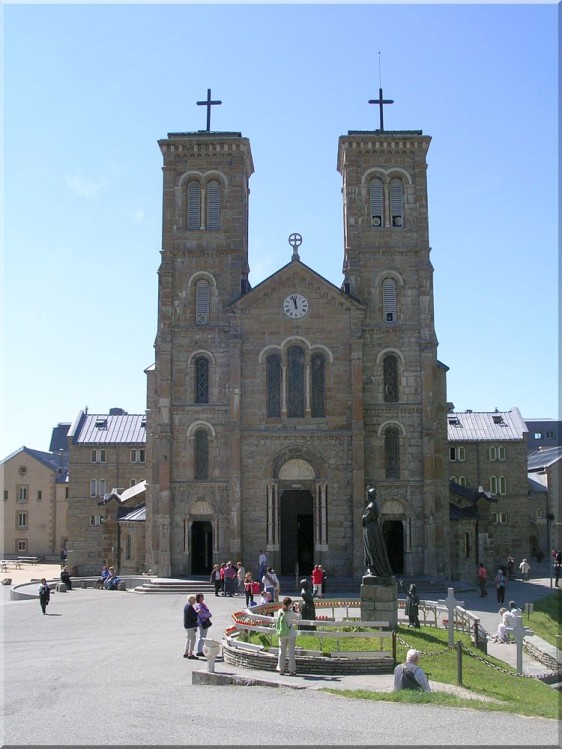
x: 89, y: 89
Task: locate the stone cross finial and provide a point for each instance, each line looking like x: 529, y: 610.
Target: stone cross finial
x: 519, y: 632
x: 451, y: 603
x: 208, y: 103
x: 295, y: 240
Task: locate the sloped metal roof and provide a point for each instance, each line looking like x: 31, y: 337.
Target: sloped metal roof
x: 543, y: 458
x: 536, y: 486
x: 136, y: 514
x: 104, y: 429
x: 491, y: 426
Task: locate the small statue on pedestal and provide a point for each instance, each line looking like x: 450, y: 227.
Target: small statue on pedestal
x: 308, y: 609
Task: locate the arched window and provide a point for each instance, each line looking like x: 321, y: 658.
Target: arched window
x: 213, y: 205
x: 201, y: 367
x: 392, y: 453
x: 128, y: 547
x: 202, y: 303
x: 273, y: 379
x: 390, y: 378
x: 376, y: 198
x: 194, y: 205
x: 396, y: 203
x: 201, y: 457
x: 389, y: 300
x: 318, y: 384
x: 295, y: 382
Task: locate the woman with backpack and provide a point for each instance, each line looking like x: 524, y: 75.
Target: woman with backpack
x: 286, y: 624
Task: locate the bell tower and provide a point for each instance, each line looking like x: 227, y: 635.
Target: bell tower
x: 387, y: 267
x: 204, y: 267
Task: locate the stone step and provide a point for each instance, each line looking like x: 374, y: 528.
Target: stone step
x: 175, y: 586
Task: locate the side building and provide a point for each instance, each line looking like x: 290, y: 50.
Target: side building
x: 107, y: 456
x: 488, y: 466
x: 35, y: 499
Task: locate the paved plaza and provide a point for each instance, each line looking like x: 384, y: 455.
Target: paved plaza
x: 106, y: 668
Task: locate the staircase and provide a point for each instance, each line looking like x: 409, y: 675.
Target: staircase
x: 164, y: 585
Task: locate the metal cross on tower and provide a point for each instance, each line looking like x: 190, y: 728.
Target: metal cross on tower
x: 208, y: 103
x: 381, y: 102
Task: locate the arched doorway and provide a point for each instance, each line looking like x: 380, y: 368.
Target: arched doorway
x: 201, y: 547
x: 297, y: 537
x: 393, y: 532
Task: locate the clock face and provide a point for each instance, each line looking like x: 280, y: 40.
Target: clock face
x: 295, y: 306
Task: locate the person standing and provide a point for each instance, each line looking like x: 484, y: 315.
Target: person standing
x: 482, y: 580
x: 190, y: 622
x: 500, y: 583
x: 216, y: 578
x: 241, y: 573
x: 249, y: 588
x: 409, y: 675
x: 44, y: 595
x: 262, y: 564
x: 286, y: 628
x: 525, y: 568
x: 324, y: 578
x: 203, y: 621
x: 229, y: 576
x: 317, y: 581
x: 270, y: 582
x: 510, y: 568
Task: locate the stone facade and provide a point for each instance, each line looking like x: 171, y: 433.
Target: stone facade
x: 488, y: 452
x: 243, y: 456
x: 107, y: 454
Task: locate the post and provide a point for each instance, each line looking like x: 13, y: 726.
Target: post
x: 394, y: 647
x: 459, y: 663
x: 476, y: 632
x: 519, y: 632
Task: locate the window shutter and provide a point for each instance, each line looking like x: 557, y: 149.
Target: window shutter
x: 377, y: 203
x: 396, y: 203
x: 213, y: 205
x: 202, y: 303
x: 194, y: 206
x: 389, y: 300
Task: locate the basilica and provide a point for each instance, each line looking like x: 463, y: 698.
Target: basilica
x: 270, y: 408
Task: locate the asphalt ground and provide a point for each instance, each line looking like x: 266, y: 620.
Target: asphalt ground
x: 106, y: 668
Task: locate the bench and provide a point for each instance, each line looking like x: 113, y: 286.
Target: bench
x: 5, y: 564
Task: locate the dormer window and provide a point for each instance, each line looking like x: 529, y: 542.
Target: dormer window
x: 101, y: 422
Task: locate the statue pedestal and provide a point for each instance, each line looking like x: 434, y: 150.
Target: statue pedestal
x: 379, y: 599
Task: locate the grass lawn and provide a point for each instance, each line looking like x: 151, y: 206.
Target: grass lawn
x: 546, y: 619
x: 516, y: 694
x: 481, y: 674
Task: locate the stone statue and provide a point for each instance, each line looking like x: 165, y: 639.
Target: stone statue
x: 308, y: 609
x: 376, y: 556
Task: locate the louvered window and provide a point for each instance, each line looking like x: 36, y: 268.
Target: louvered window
x: 213, y: 205
x: 389, y: 300
x: 201, y: 454
x: 194, y: 206
x: 318, y: 380
x: 377, y: 204
x: 392, y: 453
x: 273, y: 385
x: 295, y: 382
x: 202, y: 303
x: 390, y: 376
x: 396, y: 203
x: 201, y: 380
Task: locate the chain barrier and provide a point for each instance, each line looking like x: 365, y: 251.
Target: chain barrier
x: 478, y: 657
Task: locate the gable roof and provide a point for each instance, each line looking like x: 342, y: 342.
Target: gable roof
x: 482, y: 426
x: 543, y: 458
x: 52, y: 462
x: 536, y: 486
x: 105, y: 429
x: 136, y: 514
x: 295, y: 265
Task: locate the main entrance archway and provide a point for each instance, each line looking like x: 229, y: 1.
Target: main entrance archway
x: 393, y: 532
x: 297, y: 536
x: 201, y: 547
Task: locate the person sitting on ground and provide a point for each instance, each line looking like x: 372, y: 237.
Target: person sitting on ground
x: 514, y: 611
x: 65, y: 578
x: 409, y: 675
x: 501, y: 633
x: 265, y: 596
